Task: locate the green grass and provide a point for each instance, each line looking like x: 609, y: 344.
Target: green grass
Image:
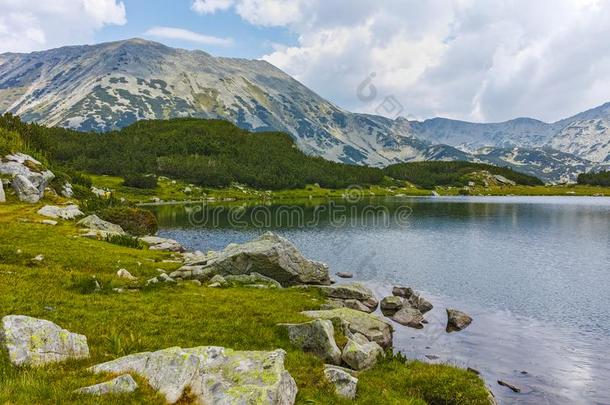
x: 560, y: 190
x: 60, y: 289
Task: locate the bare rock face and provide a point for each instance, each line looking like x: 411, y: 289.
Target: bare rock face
x: 457, y: 320
x: 269, y: 255
x: 36, y: 342
x: 212, y: 375
x: 317, y: 337
x: 121, y: 385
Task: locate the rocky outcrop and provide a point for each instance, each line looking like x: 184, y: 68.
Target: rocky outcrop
x: 269, y: 255
x: 361, y: 356
x: 211, y: 375
x: 163, y: 244
x: 317, y: 337
x: 95, y: 223
x: 374, y: 328
x: 36, y: 342
x: 121, y: 385
x: 67, y: 212
x: 28, y: 177
x: 457, y: 320
x: 345, y: 383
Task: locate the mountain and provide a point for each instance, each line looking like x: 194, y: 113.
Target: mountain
x: 111, y: 85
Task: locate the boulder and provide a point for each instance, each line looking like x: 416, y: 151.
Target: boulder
x: 123, y: 273
x: 457, y: 320
x: 345, y: 383
x: 391, y: 304
x: 36, y: 342
x: 317, y: 337
x: 271, y: 256
x: 374, y: 328
x: 409, y: 316
x: 25, y: 190
x: 164, y: 244
x: 94, y: 222
x: 121, y: 385
x: 67, y: 212
x: 220, y: 280
x: 211, y: 375
x: 404, y: 292
x: 2, y: 194
x: 361, y: 356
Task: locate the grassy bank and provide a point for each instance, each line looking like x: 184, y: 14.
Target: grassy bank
x: 59, y: 288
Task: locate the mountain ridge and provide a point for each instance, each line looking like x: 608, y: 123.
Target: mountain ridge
x: 107, y: 86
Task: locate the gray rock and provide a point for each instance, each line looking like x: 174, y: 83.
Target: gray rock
x: 164, y: 244
x: 420, y: 303
x: 457, y: 320
x: 355, y: 291
x: 165, y: 278
x: 252, y: 278
x: 404, y: 292
x: 211, y: 375
x: 361, y: 356
x: 391, y: 304
x: 123, y: 273
x: 345, y: 384
x: 26, y: 191
x: 121, y: 385
x: 374, y: 328
x: 94, y: 222
x: 48, y: 222
x: 352, y: 304
x: 67, y: 191
x: 36, y: 342
x: 410, y: 317
x: 2, y: 194
x: 317, y: 337
x: 501, y: 179
x: 67, y: 212
x: 220, y: 280
x: 200, y: 273
x: 271, y: 256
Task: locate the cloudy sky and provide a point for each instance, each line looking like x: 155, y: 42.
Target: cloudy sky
x: 478, y: 60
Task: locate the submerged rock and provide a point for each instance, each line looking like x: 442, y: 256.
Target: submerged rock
x: 345, y: 383
x: 67, y: 212
x: 457, y: 320
x: 374, y: 328
x: 211, y: 375
x: 94, y: 222
x: 121, y: 385
x: 317, y: 337
x: 36, y: 342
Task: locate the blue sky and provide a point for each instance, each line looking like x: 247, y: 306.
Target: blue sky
x: 474, y: 60
x: 249, y: 41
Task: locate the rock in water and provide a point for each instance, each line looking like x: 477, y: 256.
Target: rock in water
x: 374, y: 328
x: 96, y: 223
x: 344, y: 274
x: 36, y: 342
x: 273, y: 257
x: 211, y: 375
x: 510, y: 386
x: 361, y: 356
x: 457, y: 320
x: 68, y: 212
x: 422, y: 304
x: 410, y: 317
x: 26, y: 191
x: 2, y: 195
x: 404, y: 292
x: 345, y: 383
x: 391, y: 304
x: 120, y: 385
x: 317, y: 337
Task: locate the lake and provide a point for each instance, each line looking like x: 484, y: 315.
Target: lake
x: 533, y: 272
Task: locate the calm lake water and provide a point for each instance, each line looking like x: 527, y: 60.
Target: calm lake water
x: 533, y: 272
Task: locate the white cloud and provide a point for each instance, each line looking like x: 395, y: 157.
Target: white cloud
x: 210, y: 6
x: 29, y: 25
x: 186, y: 35
x: 466, y: 59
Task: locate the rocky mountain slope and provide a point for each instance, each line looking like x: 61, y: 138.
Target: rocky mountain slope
x: 111, y: 85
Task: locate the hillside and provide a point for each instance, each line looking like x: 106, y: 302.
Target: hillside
x: 109, y: 86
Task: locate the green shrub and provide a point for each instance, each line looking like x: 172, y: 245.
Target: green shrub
x: 81, y: 179
x: 140, y: 181
x: 595, y: 179
x: 126, y: 241
x: 10, y: 142
x: 134, y: 221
